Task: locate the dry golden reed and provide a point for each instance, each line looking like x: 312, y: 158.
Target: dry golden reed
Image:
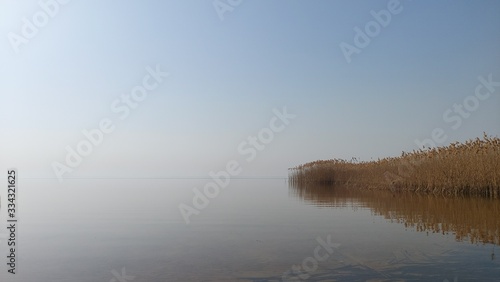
x: 470, y: 168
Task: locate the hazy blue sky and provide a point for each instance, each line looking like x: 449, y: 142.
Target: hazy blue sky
x: 227, y: 76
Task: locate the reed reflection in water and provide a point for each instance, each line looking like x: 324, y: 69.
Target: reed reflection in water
x: 471, y: 219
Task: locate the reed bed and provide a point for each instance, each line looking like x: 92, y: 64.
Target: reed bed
x: 470, y: 168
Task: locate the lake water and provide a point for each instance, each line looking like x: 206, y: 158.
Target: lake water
x: 113, y: 230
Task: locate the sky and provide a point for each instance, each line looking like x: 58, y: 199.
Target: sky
x: 305, y: 80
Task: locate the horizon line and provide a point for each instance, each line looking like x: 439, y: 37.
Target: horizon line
x: 177, y: 177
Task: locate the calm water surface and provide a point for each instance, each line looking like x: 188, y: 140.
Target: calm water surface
x: 254, y: 230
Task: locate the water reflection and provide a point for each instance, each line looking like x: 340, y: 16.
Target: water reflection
x: 470, y: 219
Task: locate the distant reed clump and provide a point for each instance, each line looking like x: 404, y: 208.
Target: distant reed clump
x: 470, y: 168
